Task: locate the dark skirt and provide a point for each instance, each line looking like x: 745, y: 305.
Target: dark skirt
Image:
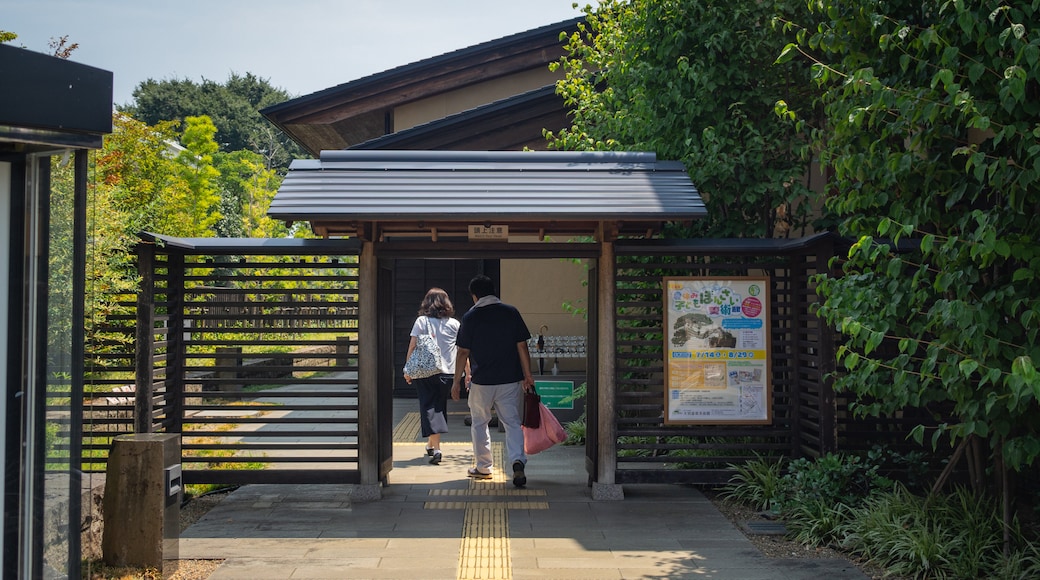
x: 433, y: 403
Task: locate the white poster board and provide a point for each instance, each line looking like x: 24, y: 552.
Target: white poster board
x: 717, y: 360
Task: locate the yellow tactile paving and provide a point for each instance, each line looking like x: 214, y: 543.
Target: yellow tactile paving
x: 484, y: 552
x: 506, y: 505
x: 488, y: 492
x: 485, y: 544
x: 407, y: 429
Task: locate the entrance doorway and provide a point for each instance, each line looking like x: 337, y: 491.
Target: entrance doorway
x: 552, y: 293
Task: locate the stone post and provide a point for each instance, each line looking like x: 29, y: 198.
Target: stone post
x: 141, y: 507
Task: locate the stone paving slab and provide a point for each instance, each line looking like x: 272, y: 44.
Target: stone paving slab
x: 553, y: 529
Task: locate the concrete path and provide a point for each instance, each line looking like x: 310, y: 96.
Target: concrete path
x: 433, y: 522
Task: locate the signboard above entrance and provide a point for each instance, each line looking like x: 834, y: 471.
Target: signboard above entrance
x: 489, y: 233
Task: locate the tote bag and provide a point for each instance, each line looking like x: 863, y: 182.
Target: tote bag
x: 425, y: 357
x: 545, y: 436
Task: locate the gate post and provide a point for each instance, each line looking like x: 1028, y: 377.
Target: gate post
x: 606, y: 430
x: 145, y: 339
x: 368, y: 375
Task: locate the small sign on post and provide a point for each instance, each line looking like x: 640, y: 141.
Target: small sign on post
x: 553, y: 393
x: 489, y: 232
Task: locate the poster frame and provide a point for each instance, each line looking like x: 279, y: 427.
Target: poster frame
x: 668, y: 325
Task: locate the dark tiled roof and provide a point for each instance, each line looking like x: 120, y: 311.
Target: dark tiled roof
x: 532, y: 191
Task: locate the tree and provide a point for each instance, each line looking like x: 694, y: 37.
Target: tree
x: 233, y: 106
x: 247, y: 189
x: 694, y: 80
x: 933, y: 140
x: 197, y: 211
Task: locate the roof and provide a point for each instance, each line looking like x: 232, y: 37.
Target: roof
x: 356, y: 111
x: 513, y: 124
x: 48, y: 101
x: 254, y: 246
x: 375, y: 194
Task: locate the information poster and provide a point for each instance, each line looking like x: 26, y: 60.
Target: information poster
x: 717, y: 337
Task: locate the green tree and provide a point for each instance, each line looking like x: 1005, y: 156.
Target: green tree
x: 933, y: 139
x: 197, y: 211
x: 247, y: 189
x: 233, y: 106
x: 694, y: 80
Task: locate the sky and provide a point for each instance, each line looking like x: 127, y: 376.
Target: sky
x: 301, y: 46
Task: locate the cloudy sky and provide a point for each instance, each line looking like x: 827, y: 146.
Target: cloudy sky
x: 301, y: 46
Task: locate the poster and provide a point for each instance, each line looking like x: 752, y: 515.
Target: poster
x: 717, y: 337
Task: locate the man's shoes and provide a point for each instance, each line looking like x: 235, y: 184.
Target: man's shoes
x: 477, y: 474
x: 429, y: 451
x: 519, y: 477
x: 436, y: 459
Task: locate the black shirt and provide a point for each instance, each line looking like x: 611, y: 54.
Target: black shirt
x: 491, y: 334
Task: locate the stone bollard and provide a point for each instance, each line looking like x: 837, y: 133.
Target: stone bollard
x: 142, y: 503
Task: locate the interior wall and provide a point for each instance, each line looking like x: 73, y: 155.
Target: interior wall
x: 540, y: 288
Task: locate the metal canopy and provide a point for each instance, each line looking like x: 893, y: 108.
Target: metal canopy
x: 377, y: 194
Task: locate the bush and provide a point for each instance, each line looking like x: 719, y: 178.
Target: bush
x: 576, y: 431
x: 832, y: 479
x: 756, y: 483
x: 843, y: 501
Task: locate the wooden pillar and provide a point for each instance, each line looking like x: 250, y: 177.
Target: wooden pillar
x: 175, y: 347
x: 606, y: 430
x: 145, y: 339
x: 368, y: 367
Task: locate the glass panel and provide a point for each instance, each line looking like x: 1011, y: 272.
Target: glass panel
x: 46, y: 482
x: 57, y: 425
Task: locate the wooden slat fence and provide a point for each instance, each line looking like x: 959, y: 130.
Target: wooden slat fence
x: 803, y: 413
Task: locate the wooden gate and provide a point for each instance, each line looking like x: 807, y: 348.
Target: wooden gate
x: 254, y: 358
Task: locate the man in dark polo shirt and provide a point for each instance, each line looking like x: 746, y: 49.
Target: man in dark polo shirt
x: 493, y: 338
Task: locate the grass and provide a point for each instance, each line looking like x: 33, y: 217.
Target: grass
x: 98, y: 570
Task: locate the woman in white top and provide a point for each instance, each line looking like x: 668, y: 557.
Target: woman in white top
x: 436, y: 319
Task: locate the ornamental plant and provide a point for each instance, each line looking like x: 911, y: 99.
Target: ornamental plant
x: 932, y: 138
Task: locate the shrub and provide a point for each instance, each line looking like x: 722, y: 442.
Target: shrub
x: 834, y: 478
x: 756, y: 483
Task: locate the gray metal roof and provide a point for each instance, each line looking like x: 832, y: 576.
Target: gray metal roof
x: 528, y: 190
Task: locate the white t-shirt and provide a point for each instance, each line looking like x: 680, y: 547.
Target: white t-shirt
x: 444, y: 330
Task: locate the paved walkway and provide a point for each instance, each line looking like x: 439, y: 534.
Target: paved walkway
x: 433, y: 522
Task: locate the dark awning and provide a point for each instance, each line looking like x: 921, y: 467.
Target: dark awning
x: 408, y: 193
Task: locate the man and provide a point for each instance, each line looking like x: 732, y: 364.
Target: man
x: 493, y: 339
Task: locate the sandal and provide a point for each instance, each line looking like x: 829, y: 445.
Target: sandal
x: 477, y: 474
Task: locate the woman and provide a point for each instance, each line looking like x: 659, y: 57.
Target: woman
x: 435, y: 319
